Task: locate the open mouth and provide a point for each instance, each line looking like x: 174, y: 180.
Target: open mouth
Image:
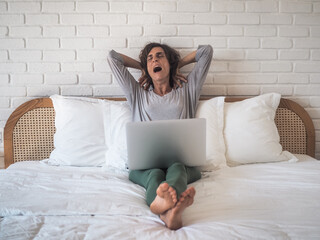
x: 157, y: 69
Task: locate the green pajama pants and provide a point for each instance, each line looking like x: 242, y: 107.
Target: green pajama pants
x: 177, y: 176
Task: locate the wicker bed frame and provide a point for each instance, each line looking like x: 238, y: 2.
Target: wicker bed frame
x: 29, y: 131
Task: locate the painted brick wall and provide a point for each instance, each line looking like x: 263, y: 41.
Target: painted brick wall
x: 59, y: 47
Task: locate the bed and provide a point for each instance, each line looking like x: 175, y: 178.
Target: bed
x: 237, y: 198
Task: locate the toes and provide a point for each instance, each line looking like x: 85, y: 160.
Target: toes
x: 173, y: 193
x: 191, y: 192
x: 164, y: 186
x: 188, y: 195
x: 185, y: 194
x: 171, y: 190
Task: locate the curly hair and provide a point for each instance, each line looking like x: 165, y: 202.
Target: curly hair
x: 172, y: 55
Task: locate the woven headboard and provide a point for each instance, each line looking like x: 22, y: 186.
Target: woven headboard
x: 28, y: 134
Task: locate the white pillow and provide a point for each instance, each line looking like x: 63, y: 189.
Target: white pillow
x: 116, y: 115
x: 212, y: 111
x: 250, y: 133
x: 79, y: 138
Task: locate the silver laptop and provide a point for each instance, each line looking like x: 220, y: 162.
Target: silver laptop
x: 157, y: 144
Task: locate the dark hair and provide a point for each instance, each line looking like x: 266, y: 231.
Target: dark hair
x: 172, y: 55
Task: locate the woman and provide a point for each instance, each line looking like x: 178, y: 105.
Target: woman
x: 159, y: 95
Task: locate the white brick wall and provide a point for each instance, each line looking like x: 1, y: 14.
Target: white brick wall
x: 49, y: 47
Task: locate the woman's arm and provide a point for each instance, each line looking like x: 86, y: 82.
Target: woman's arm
x: 190, y: 58
x: 119, y: 65
x: 197, y: 76
x: 130, y: 62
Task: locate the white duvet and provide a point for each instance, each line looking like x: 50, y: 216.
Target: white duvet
x: 258, y: 201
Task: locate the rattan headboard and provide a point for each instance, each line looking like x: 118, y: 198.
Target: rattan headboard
x: 28, y: 134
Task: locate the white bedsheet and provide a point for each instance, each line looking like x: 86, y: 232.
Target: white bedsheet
x: 258, y: 201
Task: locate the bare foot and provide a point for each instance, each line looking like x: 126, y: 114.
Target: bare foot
x: 166, y: 199
x: 173, y: 217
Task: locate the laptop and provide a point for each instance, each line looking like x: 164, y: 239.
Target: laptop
x: 157, y: 144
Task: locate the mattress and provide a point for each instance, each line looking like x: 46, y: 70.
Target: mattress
x: 255, y: 201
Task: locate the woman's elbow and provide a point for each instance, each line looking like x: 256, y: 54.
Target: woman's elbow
x: 209, y: 50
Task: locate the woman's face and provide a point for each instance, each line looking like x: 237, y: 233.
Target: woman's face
x: 158, y: 65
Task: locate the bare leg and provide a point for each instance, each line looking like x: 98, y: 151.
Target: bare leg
x: 173, y: 217
x: 166, y: 199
